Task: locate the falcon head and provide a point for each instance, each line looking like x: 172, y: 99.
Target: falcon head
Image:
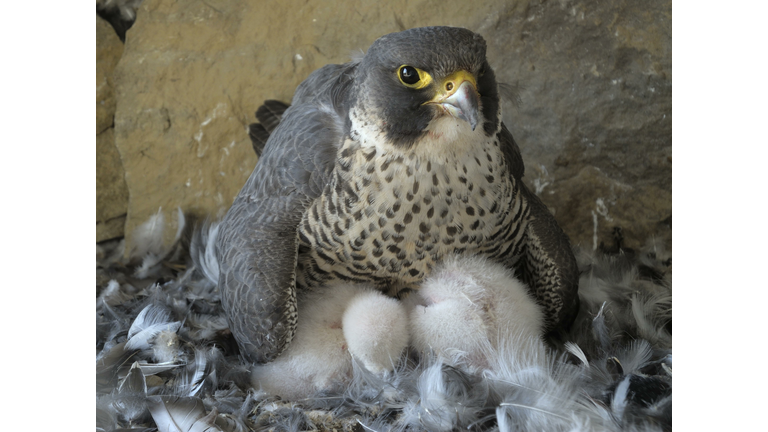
x: 426, y: 82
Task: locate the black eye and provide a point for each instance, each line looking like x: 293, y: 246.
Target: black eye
x: 413, y: 77
x: 409, y: 75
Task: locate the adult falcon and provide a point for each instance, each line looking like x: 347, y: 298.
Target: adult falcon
x: 379, y: 169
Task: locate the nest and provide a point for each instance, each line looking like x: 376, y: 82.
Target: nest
x: 167, y: 360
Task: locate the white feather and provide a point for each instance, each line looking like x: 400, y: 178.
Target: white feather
x: 600, y: 330
x: 113, y: 295
x: 150, y: 321
x: 575, y: 350
x: 181, y: 414
x: 203, y: 251
x: 193, y: 380
x: 149, y: 369
x: 154, y: 250
x: 635, y: 356
x: 619, y: 400
x: 539, y: 391
x: 651, y: 315
x: 148, y: 317
x: 447, y: 398
x: 148, y: 237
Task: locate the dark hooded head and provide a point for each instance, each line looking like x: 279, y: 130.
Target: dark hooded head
x: 411, y: 77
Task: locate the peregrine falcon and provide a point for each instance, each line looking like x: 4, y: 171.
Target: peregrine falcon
x: 378, y: 170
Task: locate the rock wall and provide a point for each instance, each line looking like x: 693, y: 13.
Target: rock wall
x: 595, y: 119
x: 111, y: 190
x: 593, y: 78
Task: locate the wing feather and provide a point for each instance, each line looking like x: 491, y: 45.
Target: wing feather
x: 548, y: 266
x: 257, y: 244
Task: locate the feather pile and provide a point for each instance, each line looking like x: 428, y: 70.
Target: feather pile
x: 165, y: 358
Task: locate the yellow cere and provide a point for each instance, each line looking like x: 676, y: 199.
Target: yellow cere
x: 454, y: 80
x: 450, y: 84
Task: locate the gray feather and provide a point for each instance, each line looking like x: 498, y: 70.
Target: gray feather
x: 257, y: 280
x: 619, y: 400
x: 151, y: 321
x: 203, y: 251
x: 181, y: 414
x: 153, y: 255
x: 130, y: 400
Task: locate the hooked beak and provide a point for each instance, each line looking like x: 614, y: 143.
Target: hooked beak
x: 457, y: 95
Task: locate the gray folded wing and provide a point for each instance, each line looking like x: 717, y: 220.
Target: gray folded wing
x: 257, y: 245
x: 548, y: 265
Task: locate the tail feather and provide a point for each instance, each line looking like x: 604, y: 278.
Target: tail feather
x: 259, y: 137
x: 269, y: 116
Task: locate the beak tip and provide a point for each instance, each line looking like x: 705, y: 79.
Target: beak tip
x: 463, y: 104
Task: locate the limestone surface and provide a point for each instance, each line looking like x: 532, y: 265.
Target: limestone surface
x: 111, y: 190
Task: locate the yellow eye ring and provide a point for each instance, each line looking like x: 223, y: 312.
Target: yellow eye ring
x: 413, y: 77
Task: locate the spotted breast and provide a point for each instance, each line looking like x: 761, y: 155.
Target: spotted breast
x: 389, y: 216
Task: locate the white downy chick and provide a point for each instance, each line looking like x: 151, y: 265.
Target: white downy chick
x: 470, y: 306
x: 318, y: 359
x: 376, y: 329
